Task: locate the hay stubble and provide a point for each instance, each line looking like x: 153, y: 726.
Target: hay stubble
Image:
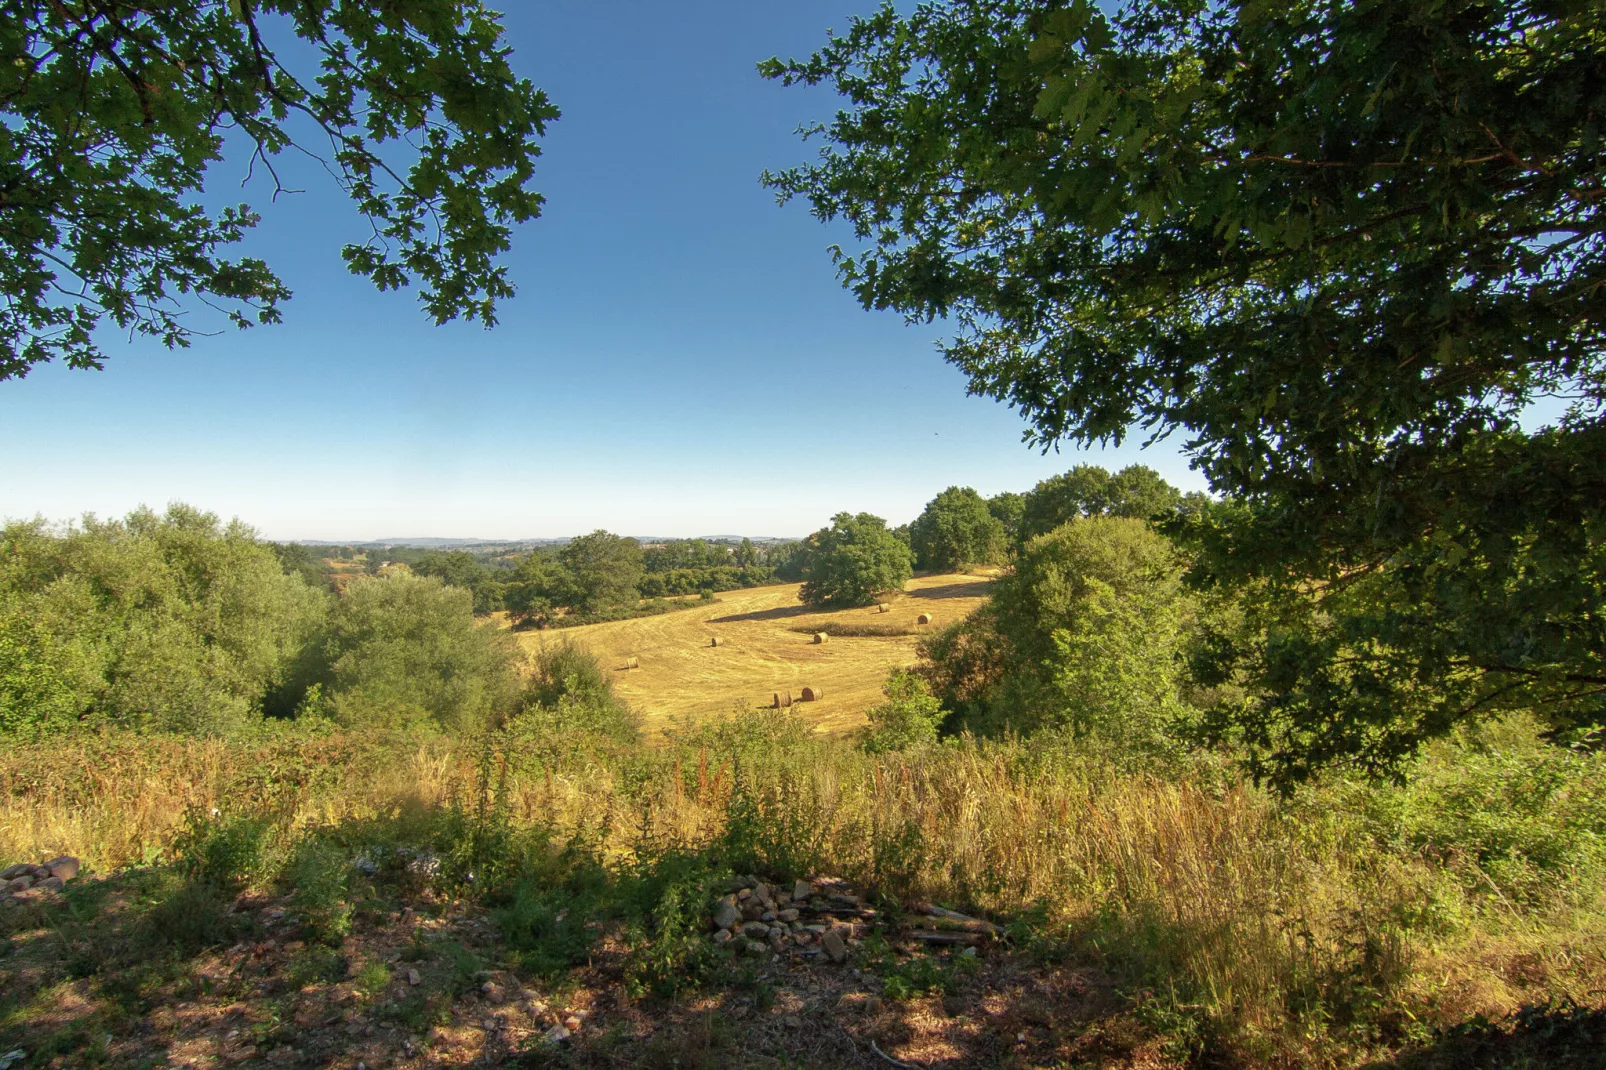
x: 683, y: 676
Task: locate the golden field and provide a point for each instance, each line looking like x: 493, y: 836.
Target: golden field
x: 766, y: 647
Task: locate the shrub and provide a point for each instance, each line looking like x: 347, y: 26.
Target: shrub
x: 1502, y: 808
x: 36, y: 698
x: 1085, y: 635
x: 909, y: 718
x: 319, y: 874
x: 222, y: 851
x: 569, y: 696
x: 405, y: 650
x: 171, y: 622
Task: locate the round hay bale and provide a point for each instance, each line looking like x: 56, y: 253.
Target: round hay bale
x: 812, y: 694
x: 783, y: 699
x: 716, y: 641
x: 924, y: 618
x: 820, y: 637
x: 632, y: 663
x: 883, y: 608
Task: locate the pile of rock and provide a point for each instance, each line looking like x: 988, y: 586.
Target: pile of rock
x: 807, y: 920
x: 23, y: 882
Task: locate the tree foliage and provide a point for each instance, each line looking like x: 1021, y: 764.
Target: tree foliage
x: 606, y: 569
x: 956, y: 529
x: 1341, y: 249
x: 459, y: 568
x: 853, y: 562
x: 170, y: 622
x: 404, y: 650
x: 1135, y: 491
x: 1085, y: 635
x: 909, y: 718
x: 113, y: 114
x: 1008, y: 506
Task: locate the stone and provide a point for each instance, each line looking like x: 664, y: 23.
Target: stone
x: 834, y: 946
x: 803, y: 939
x: 282, y: 1054
x: 745, y: 894
x: 761, y: 891
x: 52, y: 884
x: 413, y: 978
x: 555, y: 1036
x: 66, y: 867
x: 752, y: 911
x: 777, y: 941
x: 767, y: 917
x: 726, y: 916
x: 755, y: 930
x: 11, y: 873
x: 17, y: 884
x: 801, y: 891
x: 968, y: 953
x: 754, y: 947
x: 788, y: 915
x: 572, y: 1023
x: 722, y: 936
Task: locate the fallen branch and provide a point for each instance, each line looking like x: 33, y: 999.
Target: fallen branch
x: 890, y: 1059
x: 930, y: 937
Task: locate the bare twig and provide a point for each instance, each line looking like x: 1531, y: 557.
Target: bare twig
x: 890, y: 1059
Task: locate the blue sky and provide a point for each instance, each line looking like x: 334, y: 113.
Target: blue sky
x: 679, y: 360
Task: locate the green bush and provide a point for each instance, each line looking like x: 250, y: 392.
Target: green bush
x: 36, y: 698
x: 172, y: 622
x: 319, y: 876
x: 223, y: 851
x: 699, y: 580
x: 1085, y: 635
x: 909, y: 718
x: 570, y: 697
x: 1504, y: 809
x: 405, y: 650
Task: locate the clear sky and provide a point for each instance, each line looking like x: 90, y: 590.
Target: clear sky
x: 680, y: 358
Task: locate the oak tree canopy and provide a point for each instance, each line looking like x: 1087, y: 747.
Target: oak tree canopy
x: 1339, y: 251
x: 111, y: 114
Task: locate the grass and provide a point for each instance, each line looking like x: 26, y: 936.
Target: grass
x: 1350, y: 923
x: 681, y: 678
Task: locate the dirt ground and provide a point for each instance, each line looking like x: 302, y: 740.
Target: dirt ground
x: 766, y: 646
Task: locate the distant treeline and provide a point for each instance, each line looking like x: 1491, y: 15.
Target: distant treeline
x: 594, y: 577
x: 602, y: 576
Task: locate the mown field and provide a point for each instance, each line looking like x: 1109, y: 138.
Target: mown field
x: 766, y: 645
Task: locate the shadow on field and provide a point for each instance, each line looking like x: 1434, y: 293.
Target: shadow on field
x: 1560, y: 1036
x: 975, y: 589
x: 781, y: 613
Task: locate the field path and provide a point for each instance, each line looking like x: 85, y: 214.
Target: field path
x: 683, y: 677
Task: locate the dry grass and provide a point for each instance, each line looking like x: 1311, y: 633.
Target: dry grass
x: 766, y: 645
x: 1268, y: 922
